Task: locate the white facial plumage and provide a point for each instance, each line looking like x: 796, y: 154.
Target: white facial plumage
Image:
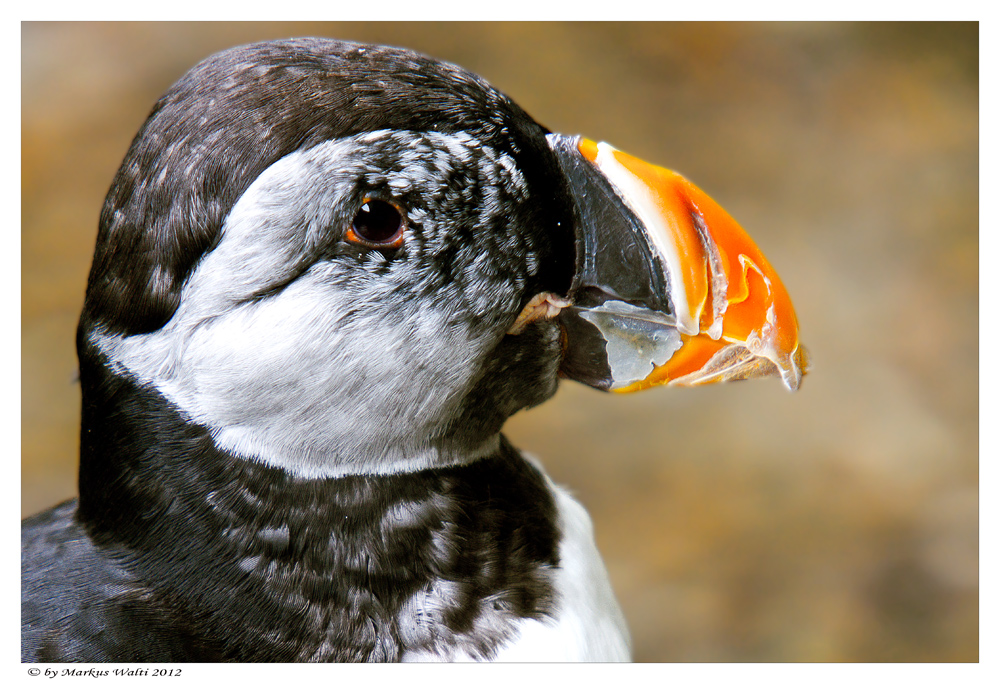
x: 325, y: 366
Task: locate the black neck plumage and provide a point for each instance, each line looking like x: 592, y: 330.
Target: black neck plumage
x: 281, y: 568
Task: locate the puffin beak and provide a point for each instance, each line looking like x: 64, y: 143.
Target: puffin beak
x: 668, y: 288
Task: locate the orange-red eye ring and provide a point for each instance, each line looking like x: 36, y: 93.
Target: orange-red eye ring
x: 378, y: 224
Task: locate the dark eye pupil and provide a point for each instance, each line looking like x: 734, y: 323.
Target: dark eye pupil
x: 378, y: 222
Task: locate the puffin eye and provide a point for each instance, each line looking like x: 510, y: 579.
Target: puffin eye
x: 377, y: 224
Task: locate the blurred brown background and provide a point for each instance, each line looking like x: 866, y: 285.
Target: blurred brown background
x: 739, y: 522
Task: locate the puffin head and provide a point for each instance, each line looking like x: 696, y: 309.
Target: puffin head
x: 351, y: 259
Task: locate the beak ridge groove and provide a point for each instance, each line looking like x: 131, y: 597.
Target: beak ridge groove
x: 729, y: 313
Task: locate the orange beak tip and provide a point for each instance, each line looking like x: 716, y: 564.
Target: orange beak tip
x: 726, y: 307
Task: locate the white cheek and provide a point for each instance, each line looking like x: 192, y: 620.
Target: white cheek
x: 293, y: 381
x: 276, y: 351
x: 295, y: 371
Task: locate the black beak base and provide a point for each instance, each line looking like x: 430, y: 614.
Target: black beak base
x: 621, y: 321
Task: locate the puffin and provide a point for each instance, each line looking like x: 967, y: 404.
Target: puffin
x: 326, y: 273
